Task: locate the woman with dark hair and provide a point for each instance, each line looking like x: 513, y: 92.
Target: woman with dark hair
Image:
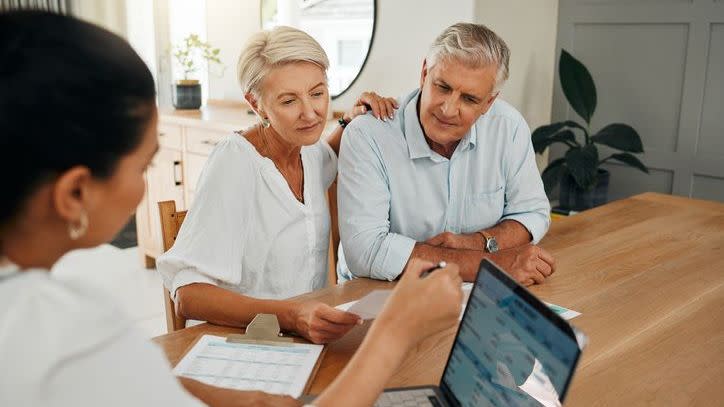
x: 78, y: 120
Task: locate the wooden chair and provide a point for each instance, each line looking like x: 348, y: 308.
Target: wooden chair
x: 333, y: 234
x: 170, y: 224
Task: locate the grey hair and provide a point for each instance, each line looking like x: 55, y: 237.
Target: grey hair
x: 475, y: 45
x: 271, y: 48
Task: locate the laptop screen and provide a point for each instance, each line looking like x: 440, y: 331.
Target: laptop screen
x: 510, y: 350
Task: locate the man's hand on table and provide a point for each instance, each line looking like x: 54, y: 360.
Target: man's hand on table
x: 528, y: 264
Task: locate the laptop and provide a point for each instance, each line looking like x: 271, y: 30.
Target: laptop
x: 510, y: 350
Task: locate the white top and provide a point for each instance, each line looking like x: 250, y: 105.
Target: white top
x: 61, y: 344
x: 246, y: 232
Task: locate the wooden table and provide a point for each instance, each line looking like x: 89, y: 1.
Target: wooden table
x: 647, y: 274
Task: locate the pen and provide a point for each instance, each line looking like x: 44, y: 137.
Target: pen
x: 441, y: 265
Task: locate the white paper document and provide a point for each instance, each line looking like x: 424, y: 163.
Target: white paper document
x: 371, y: 304
x: 281, y: 369
x: 563, y: 312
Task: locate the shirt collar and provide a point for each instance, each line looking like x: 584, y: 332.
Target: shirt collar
x: 417, y: 146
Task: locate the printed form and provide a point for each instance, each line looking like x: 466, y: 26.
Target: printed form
x: 277, y: 369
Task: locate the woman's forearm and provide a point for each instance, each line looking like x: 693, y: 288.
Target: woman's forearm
x: 207, y: 302
x: 209, y: 395
x: 369, y: 370
x: 220, y: 397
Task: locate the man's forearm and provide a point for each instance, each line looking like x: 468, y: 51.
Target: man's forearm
x: 510, y: 233
x: 467, y: 260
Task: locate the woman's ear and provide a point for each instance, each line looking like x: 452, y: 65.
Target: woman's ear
x: 71, y: 193
x: 253, y: 103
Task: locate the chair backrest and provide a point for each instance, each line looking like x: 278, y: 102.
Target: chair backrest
x: 170, y: 224
x: 333, y: 234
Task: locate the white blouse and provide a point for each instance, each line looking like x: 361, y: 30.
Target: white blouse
x: 246, y: 232
x: 62, y: 344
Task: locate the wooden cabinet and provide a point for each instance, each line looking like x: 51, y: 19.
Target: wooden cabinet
x: 164, y: 181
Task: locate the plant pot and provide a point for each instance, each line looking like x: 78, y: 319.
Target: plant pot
x: 576, y: 198
x: 187, y: 94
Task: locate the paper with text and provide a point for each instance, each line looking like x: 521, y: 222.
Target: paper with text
x: 281, y: 369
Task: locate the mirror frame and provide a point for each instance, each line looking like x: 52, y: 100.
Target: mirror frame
x: 367, y: 55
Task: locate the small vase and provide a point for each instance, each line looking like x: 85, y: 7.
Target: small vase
x: 187, y: 94
x: 576, y: 198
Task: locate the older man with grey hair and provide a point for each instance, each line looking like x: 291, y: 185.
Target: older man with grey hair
x: 452, y: 177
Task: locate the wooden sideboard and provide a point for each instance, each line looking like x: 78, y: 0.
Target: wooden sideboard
x: 186, y: 139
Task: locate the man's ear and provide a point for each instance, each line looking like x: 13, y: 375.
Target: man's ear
x: 423, y: 73
x: 489, y: 101
x: 71, y: 193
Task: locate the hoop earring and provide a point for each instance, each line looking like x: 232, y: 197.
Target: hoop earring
x: 77, y: 230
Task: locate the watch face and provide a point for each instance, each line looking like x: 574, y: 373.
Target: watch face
x: 492, y: 245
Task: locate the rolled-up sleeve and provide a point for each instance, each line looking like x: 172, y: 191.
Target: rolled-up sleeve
x: 364, y: 206
x: 525, y: 198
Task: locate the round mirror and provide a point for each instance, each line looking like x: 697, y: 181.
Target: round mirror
x: 344, y: 28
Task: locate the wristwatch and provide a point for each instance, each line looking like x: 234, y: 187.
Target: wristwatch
x: 491, y: 245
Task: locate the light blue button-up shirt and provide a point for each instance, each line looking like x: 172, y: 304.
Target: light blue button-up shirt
x: 394, y: 191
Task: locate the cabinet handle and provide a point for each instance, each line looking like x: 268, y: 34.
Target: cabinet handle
x: 209, y: 142
x: 161, y: 134
x: 177, y: 173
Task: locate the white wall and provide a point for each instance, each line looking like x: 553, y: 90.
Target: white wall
x: 404, y: 31
x: 529, y: 28
x: 228, y: 25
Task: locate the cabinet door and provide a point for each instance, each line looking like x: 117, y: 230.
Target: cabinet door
x: 164, y: 182
x: 193, y: 165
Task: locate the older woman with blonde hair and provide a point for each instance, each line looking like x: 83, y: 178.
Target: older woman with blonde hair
x: 258, y: 231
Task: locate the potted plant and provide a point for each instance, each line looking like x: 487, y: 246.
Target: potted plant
x: 583, y: 183
x: 187, y: 92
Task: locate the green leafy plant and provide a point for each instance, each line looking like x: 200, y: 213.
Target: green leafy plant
x: 191, y: 50
x: 582, y: 161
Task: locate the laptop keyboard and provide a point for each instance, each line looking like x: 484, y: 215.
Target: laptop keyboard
x: 409, y: 398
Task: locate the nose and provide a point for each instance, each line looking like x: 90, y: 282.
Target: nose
x: 451, y: 106
x: 308, y: 112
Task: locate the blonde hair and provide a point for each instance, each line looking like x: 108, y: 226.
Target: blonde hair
x: 474, y: 45
x: 271, y: 48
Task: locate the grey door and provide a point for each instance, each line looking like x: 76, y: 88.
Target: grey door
x: 658, y: 66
